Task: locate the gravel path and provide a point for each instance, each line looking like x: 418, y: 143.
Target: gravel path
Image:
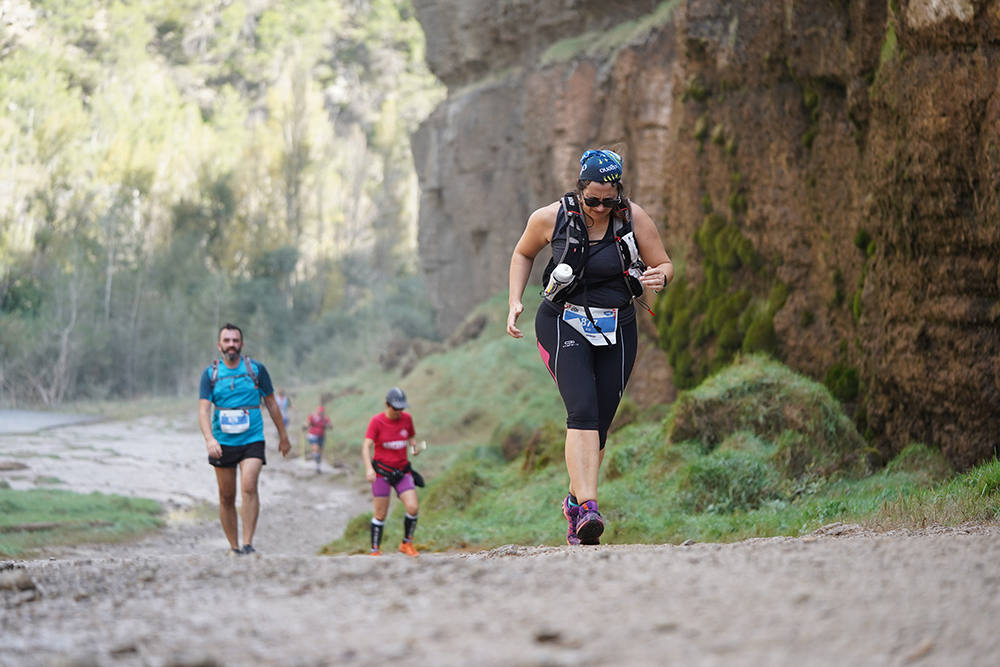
x: 841, y: 596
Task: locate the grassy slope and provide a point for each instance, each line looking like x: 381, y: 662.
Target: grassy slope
x: 756, y: 450
x: 458, y: 398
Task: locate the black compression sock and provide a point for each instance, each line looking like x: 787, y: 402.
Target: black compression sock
x: 409, y: 525
x: 376, y: 534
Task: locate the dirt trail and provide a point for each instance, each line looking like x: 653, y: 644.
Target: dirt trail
x: 840, y: 596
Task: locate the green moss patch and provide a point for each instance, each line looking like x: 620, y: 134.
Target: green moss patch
x: 703, y: 326
x: 760, y: 396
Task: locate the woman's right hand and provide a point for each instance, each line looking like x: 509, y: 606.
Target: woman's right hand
x: 515, y: 311
x: 370, y: 474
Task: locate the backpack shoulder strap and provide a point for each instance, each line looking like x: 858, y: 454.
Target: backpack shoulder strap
x: 623, y: 217
x: 572, y: 208
x: 214, y: 376
x: 248, y: 362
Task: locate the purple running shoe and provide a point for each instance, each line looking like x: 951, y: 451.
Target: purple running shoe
x: 589, y: 524
x: 572, y: 513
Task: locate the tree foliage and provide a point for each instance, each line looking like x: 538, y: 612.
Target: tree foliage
x: 169, y: 165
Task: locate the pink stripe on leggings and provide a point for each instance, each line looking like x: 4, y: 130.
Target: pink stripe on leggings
x: 545, y: 359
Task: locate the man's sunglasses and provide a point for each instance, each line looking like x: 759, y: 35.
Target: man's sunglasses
x: 607, y: 202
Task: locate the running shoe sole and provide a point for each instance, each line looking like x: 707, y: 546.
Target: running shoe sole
x: 589, y: 528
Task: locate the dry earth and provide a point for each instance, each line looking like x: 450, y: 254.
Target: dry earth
x: 842, y: 596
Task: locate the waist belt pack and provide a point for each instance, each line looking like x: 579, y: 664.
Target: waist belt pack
x: 395, y: 475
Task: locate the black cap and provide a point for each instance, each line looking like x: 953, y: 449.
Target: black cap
x: 396, y: 398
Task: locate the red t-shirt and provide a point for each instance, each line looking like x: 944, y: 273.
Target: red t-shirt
x: 390, y: 438
x: 318, y: 424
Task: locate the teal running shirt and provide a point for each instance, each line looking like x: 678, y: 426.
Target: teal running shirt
x: 234, y: 388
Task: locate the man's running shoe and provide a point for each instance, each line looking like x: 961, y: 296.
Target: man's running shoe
x: 248, y: 550
x: 375, y: 552
x: 233, y: 552
x: 408, y: 549
x: 590, y: 523
x: 572, y: 514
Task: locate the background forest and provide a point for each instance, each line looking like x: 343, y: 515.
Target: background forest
x: 170, y: 165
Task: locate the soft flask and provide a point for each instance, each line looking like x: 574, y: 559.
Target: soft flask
x: 560, y: 277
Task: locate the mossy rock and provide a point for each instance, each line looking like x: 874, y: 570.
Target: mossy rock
x: 761, y: 396
x: 920, y: 459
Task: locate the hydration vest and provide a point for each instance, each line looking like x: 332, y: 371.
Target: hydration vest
x: 570, y: 223
x: 247, y: 362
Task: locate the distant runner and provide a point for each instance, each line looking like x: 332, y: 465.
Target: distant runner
x: 387, y: 467
x: 234, y: 431
x: 316, y: 425
x: 284, y: 404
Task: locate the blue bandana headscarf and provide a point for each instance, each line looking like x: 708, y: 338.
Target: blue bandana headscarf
x: 601, y: 165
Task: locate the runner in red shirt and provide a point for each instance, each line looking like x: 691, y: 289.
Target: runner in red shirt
x: 317, y: 424
x: 389, y: 435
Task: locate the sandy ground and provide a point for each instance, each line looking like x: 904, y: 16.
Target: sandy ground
x: 841, y: 596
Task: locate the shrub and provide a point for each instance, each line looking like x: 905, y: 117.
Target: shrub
x: 459, y: 486
x: 726, y: 481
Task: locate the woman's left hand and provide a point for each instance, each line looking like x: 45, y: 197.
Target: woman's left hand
x: 653, y: 278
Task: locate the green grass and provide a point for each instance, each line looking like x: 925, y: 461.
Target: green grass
x: 458, y: 398
x: 754, y: 451
x: 37, y: 518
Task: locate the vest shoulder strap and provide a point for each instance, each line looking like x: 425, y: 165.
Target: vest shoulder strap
x: 247, y: 363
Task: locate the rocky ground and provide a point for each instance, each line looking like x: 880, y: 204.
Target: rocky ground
x: 840, y: 596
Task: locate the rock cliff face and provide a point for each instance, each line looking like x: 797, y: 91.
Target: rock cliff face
x: 854, y: 145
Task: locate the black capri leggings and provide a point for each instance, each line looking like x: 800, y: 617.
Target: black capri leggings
x: 590, y: 379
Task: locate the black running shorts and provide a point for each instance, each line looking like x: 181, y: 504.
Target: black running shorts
x: 231, y: 456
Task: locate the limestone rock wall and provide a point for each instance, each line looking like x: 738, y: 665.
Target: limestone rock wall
x: 860, y: 137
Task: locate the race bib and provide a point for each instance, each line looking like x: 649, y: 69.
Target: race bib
x: 234, y: 421
x: 605, y: 318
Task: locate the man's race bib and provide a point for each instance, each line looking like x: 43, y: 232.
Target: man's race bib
x: 606, y: 319
x: 234, y: 421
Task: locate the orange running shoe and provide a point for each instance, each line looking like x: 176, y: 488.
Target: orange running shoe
x: 375, y: 552
x: 408, y: 549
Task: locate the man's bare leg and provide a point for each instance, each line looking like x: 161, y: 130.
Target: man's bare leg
x: 226, y: 478
x: 249, y: 474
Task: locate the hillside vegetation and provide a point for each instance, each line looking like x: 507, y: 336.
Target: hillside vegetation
x: 755, y: 450
x: 172, y: 165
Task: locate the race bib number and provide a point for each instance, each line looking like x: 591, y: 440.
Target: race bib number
x: 606, y: 319
x: 234, y: 421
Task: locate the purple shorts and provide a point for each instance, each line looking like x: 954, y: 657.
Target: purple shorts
x: 381, y: 486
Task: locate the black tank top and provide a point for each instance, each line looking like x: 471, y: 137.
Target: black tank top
x: 602, y: 277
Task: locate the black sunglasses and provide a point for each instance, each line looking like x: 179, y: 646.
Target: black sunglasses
x: 607, y: 202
